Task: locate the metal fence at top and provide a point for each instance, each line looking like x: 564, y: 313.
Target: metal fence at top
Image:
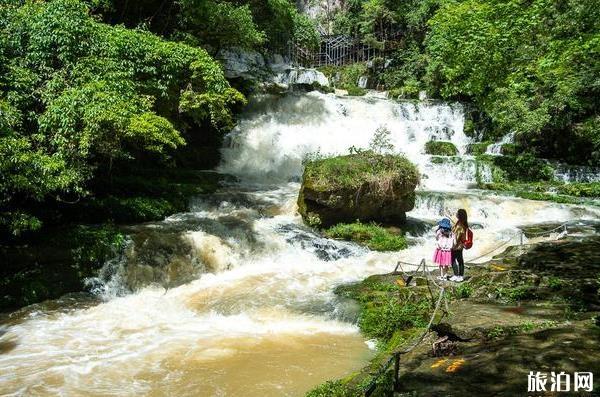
x: 340, y: 50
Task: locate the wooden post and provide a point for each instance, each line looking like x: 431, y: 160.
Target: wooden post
x: 397, y: 372
x: 521, y: 238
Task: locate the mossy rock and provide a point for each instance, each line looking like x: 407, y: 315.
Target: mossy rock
x: 56, y: 263
x: 355, y: 91
x: 363, y: 186
x: 441, y: 148
x: 469, y: 127
x: 521, y: 168
x: 477, y: 148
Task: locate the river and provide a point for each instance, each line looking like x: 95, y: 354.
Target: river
x: 243, y: 304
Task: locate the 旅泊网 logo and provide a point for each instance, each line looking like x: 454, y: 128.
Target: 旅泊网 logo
x: 560, y: 382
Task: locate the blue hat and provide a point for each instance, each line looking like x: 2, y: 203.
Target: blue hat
x: 445, y: 224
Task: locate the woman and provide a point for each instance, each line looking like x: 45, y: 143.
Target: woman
x: 459, y: 230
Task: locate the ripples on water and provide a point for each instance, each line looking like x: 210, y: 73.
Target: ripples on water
x: 235, y: 297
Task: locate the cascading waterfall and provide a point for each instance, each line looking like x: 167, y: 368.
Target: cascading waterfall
x: 496, y: 148
x: 271, y: 144
x: 570, y: 173
x: 235, y: 296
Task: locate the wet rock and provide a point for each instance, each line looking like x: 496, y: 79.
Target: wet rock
x: 301, y: 76
x: 325, y: 249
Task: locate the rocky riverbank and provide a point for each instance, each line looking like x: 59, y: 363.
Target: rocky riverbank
x: 532, y: 308
x: 87, y: 234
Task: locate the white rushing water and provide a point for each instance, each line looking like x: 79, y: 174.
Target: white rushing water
x: 496, y: 148
x: 258, y: 316
x: 271, y: 144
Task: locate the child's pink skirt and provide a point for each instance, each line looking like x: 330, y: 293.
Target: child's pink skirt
x: 442, y: 258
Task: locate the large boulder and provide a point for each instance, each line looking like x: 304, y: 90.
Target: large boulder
x: 364, y: 186
x: 245, y: 64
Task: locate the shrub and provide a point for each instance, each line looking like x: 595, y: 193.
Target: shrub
x: 478, y: 148
x: 464, y: 290
x: 441, y: 148
x: 591, y: 189
x: 335, y: 388
x: 355, y: 91
x: 346, y: 77
x: 352, y: 171
x: 371, y: 235
x: 381, y: 142
x: 381, y: 318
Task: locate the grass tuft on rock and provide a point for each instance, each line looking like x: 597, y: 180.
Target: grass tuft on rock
x: 441, y: 148
x: 354, y: 170
x: 335, y: 388
x: 370, y: 235
x: 478, y: 148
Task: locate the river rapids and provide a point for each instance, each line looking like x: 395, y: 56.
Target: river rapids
x: 235, y: 297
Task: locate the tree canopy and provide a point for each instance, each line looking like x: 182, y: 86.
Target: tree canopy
x: 529, y: 67
x: 77, y: 95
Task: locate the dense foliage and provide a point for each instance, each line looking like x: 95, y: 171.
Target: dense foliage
x: 78, y: 96
x: 216, y: 24
x: 529, y: 66
x: 532, y: 67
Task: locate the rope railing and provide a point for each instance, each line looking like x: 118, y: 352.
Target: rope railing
x: 562, y: 226
x: 395, y: 356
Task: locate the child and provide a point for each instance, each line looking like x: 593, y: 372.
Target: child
x: 445, y: 240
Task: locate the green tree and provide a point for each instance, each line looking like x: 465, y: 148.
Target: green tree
x: 78, y: 95
x: 532, y: 67
x: 219, y: 24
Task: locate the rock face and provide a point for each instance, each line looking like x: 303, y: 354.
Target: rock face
x: 301, y: 76
x: 274, y: 72
x: 364, y: 186
x: 240, y: 63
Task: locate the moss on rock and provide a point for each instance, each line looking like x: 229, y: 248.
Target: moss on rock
x: 478, y: 148
x: 363, y: 186
x: 441, y: 148
x: 371, y: 235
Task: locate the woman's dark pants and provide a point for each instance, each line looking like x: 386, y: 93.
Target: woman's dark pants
x: 458, y: 263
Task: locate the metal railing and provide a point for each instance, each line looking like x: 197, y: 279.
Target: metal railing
x: 340, y: 50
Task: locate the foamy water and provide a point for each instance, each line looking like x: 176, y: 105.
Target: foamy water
x: 259, y: 317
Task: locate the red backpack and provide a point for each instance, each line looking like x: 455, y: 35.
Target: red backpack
x: 468, y: 243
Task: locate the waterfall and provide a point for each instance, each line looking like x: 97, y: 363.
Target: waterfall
x: 572, y: 173
x: 270, y: 143
x: 496, y: 148
x: 225, y: 298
